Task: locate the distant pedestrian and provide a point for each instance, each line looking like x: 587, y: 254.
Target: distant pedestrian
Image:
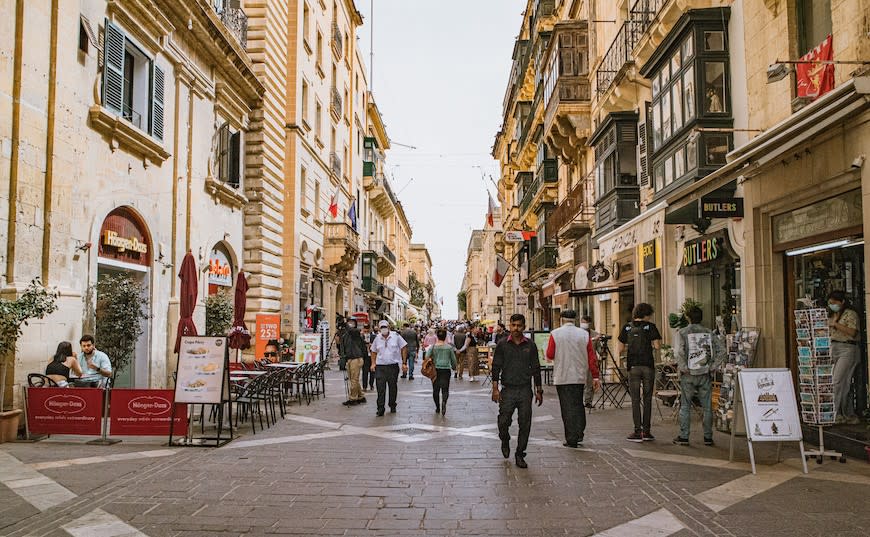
x: 639, y: 337
x: 411, y: 337
x: 444, y: 357
x: 570, y: 349
x: 389, y: 351
x: 459, y: 337
x: 368, y: 378
x: 468, y: 353
x: 515, y: 365
x: 353, y: 351
x: 698, y: 352
x: 431, y: 338
x: 501, y: 334
x: 589, y: 392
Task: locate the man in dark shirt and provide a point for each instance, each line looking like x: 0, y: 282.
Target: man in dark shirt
x: 353, y: 350
x: 639, y: 337
x: 409, y: 334
x: 515, y: 364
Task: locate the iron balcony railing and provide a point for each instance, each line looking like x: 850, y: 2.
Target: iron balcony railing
x: 335, y: 163
x: 579, y: 204
x: 382, y: 250
x: 545, y: 258
x: 337, y: 41
x: 389, y: 254
x: 336, y: 104
x: 618, y: 56
x: 643, y: 13
x: 234, y: 18
x: 539, y: 181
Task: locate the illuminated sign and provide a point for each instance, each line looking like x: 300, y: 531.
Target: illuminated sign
x: 701, y: 251
x: 220, y: 272
x: 123, y: 244
x: 722, y: 208
x: 648, y: 253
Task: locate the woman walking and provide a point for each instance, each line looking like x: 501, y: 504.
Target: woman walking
x: 444, y: 357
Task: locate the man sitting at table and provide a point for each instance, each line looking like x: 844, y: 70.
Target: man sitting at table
x: 95, y: 364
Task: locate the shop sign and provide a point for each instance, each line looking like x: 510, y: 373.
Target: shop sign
x: 144, y: 412
x: 220, y: 272
x: 833, y: 214
x: 518, y: 236
x: 598, y: 273
x: 111, y: 238
x: 649, y: 228
x: 522, y: 300
x: 124, y: 238
x: 722, y: 208
x: 65, y: 410
x: 770, y: 405
x: 650, y: 258
x: 307, y: 348
x: 267, y: 328
x: 701, y: 251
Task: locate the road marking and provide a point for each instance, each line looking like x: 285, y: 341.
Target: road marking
x: 743, y: 488
x: 659, y: 523
x: 105, y: 458
x: 34, y: 488
x: 285, y: 439
x: 686, y: 459
x: 102, y: 524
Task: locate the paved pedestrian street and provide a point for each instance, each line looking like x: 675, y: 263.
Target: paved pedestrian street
x: 332, y: 470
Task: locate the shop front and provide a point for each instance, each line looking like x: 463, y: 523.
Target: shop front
x: 125, y: 250
x: 220, y: 270
x: 711, y: 276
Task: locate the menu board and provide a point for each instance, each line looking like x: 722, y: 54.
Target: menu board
x: 307, y: 348
x: 200, y: 376
x: 769, y: 405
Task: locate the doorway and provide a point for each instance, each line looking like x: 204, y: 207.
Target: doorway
x: 136, y: 373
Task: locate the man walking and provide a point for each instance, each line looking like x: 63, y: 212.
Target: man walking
x: 698, y: 353
x: 589, y: 392
x: 459, y: 337
x: 515, y: 365
x: 570, y: 349
x: 639, y: 337
x: 353, y: 349
x: 389, y: 350
x: 410, y: 336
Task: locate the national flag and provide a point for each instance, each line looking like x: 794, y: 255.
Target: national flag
x: 501, y: 268
x: 333, y: 207
x: 351, y: 214
x: 815, y: 79
x: 490, y: 214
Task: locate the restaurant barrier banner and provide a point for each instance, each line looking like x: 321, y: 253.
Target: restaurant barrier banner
x: 65, y: 410
x: 144, y: 412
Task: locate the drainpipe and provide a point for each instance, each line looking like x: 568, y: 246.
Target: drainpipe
x: 16, y: 143
x: 49, y: 145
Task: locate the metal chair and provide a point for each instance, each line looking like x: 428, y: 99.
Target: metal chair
x: 37, y: 380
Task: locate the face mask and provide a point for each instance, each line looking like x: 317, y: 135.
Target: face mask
x: 834, y: 307
x: 385, y: 331
x: 584, y: 325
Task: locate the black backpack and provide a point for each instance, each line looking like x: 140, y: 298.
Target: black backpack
x: 638, y: 343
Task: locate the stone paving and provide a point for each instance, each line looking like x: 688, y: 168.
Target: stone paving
x: 332, y: 470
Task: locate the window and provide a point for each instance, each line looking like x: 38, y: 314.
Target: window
x: 317, y: 215
x: 133, y: 86
x: 228, y: 156
x: 306, y: 26
x: 332, y: 137
x: 714, y: 84
x: 814, y: 23
x: 319, y: 59
x: 303, y: 189
x: 305, y: 102
x: 318, y: 120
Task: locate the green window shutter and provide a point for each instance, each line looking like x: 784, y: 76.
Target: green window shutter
x: 113, y: 68
x: 157, y: 93
x: 235, y: 150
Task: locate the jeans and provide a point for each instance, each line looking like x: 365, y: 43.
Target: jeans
x: 573, y: 411
x: 691, y: 386
x: 637, y: 376
x: 412, y: 357
x: 368, y: 378
x: 517, y: 398
x: 441, y: 387
x: 387, y: 376
x: 354, y: 365
x: 846, y: 359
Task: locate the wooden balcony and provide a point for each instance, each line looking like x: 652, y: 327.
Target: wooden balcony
x: 574, y: 217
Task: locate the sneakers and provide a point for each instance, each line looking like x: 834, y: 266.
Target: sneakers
x: 708, y: 441
x: 410, y: 377
x: 636, y: 436
x: 648, y: 437
x: 404, y: 376
x: 472, y: 379
x: 680, y: 441
x: 349, y: 402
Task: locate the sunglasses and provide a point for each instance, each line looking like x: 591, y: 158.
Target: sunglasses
x: 270, y: 354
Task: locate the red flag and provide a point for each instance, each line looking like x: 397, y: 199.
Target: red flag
x: 501, y: 268
x: 816, y: 79
x: 333, y: 207
x: 490, y: 214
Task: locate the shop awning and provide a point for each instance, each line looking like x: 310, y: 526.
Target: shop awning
x: 600, y: 290
x: 561, y: 299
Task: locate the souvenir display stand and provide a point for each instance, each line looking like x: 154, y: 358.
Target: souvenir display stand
x: 741, y: 354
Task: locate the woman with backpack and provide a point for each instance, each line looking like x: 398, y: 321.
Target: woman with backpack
x: 638, y: 338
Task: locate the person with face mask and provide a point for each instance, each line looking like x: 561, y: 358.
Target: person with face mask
x: 353, y: 349
x: 843, y: 322
x: 389, y: 351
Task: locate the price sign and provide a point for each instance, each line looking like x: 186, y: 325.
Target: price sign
x: 267, y: 328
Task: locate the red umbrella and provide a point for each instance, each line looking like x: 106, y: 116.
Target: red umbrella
x: 187, y: 274
x: 240, y: 337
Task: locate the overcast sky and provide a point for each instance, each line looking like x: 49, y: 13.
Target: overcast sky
x: 440, y: 73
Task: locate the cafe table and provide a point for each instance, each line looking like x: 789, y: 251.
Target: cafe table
x: 284, y: 365
x: 247, y: 372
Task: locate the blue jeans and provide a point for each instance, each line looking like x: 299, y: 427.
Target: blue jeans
x: 412, y: 357
x: 691, y: 386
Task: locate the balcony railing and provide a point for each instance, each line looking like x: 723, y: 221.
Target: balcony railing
x: 341, y: 231
x: 545, y: 258
x: 535, y: 187
x: 337, y: 41
x: 617, y: 57
x: 235, y: 19
x: 579, y: 204
x: 382, y: 250
x: 335, y: 102
x: 643, y: 13
x: 335, y: 163
x: 389, y: 254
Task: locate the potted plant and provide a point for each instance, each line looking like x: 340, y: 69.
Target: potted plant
x: 679, y: 320
x: 34, y: 303
x: 218, y: 314
x: 120, y: 310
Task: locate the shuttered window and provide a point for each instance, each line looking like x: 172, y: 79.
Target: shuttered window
x: 227, y: 156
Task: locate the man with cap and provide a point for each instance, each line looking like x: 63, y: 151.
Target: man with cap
x: 570, y: 349
x: 389, y: 351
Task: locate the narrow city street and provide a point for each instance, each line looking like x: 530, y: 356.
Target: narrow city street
x: 332, y: 470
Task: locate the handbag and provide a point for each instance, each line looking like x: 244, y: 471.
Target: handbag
x: 428, y: 369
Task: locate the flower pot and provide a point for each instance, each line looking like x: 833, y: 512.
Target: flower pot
x: 9, y: 425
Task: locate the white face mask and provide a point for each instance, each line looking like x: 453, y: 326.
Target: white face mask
x: 385, y: 331
x: 584, y: 325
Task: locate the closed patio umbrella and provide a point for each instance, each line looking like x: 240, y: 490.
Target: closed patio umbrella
x: 188, y: 278
x: 240, y: 337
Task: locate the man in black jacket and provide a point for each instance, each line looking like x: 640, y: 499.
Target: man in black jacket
x: 353, y: 349
x: 515, y: 364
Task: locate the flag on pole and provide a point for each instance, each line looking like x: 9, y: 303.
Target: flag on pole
x: 351, y: 214
x: 333, y: 207
x: 490, y: 214
x: 501, y: 268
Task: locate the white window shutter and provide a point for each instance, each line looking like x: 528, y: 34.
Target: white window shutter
x: 113, y: 68
x: 157, y: 95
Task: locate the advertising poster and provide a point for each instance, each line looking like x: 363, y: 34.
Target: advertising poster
x: 65, y: 410
x: 542, y: 339
x: 268, y: 325
x: 770, y: 405
x: 307, y: 348
x: 144, y: 412
x: 200, y: 370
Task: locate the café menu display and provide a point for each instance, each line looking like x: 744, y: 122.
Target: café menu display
x: 815, y: 366
x: 769, y: 405
x: 200, y: 377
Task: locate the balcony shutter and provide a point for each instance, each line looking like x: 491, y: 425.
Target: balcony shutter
x: 643, y: 147
x: 223, y: 153
x: 113, y: 68
x: 235, y: 150
x: 157, y: 93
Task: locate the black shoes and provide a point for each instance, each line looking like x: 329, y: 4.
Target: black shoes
x: 570, y: 445
x: 708, y: 441
x: 410, y: 377
x: 648, y: 437
x: 352, y: 402
x: 521, y: 462
x: 636, y: 436
x: 404, y: 376
x: 392, y: 410
x: 380, y: 413
x: 443, y: 409
x: 505, y: 449
x: 349, y: 403
x: 680, y: 441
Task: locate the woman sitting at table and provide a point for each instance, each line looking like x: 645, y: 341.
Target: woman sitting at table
x: 62, y: 363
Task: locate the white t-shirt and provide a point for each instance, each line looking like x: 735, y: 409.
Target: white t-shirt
x: 389, y: 349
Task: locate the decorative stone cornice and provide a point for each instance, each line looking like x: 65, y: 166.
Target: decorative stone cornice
x: 122, y: 133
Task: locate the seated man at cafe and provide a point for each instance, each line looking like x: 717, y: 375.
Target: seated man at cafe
x: 95, y: 364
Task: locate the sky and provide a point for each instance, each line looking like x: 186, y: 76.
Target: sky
x: 440, y: 71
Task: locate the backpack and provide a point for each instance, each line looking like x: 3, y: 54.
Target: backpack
x: 638, y: 343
